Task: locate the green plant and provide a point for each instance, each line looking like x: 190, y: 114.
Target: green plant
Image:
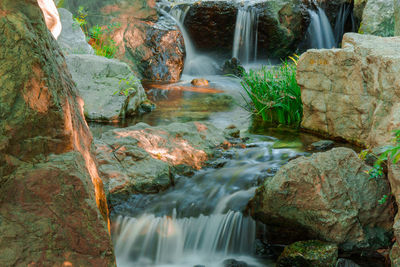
x: 127, y: 86
x: 98, y: 36
x: 274, y: 93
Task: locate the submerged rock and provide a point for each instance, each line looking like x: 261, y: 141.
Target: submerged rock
x: 72, y: 40
x: 143, y: 159
x: 326, y: 196
x: 352, y: 93
x: 311, y: 253
x: 53, y: 210
x: 323, y: 145
x: 109, y: 88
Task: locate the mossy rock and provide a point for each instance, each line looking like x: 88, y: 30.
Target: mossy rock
x: 311, y: 253
x: 287, y: 144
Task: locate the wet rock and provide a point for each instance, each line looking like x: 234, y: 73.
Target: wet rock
x: 109, y: 88
x: 233, y: 66
x: 72, y: 40
x: 143, y: 159
x: 211, y: 25
x: 346, y: 263
x: 52, y: 205
x: 322, y: 145
x: 378, y: 23
x: 309, y: 254
x: 287, y: 144
x: 327, y: 196
x: 232, y: 132
x: 199, y: 82
x: 340, y: 92
x: 234, y: 263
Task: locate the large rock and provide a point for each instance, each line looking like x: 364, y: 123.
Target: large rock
x: 101, y: 83
x: 281, y: 26
x: 394, y: 179
x: 352, y: 93
x: 153, y: 46
x: 142, y: 159
x: 72, y: 40
x: 378, y: 18
x: 53, y: 210
x: 327, y: 196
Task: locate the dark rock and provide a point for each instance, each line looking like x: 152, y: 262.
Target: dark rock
x: 52, y: 203
x: 232, y: 132
x: 309, y: 254
x: 234, y: 263
x: 322, y: 145
x: 233, y: 66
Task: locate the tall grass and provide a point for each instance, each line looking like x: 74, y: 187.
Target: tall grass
x: 274, y: 93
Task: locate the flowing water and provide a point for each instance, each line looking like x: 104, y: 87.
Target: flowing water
x: 344, y: 16
x: 246, y: 34
x: 320, y: 31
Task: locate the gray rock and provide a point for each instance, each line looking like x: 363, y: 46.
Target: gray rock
x: 378, y: 18
x: 396, y: 17
x: 326, y: 196
x: 143, y: 159
x: 346, y: 263
x: 99, y: 81
x: 323, y: 145
x: 72, y: 40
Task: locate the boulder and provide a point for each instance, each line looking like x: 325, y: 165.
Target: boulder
x: 153, y: 46
x: 281, y: 25
x: 352, y: 93
x: 327, y: 196
x: 312, y: 253
x: 110, y: 90
x: 199, y: 82
x: 358, y: 10
x: 143, y: 159
x: 394, y: 179
x: 72, y: 40
x: 53, y: 210
x: 378, y: 18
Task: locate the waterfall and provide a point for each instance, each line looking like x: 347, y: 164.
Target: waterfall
x: 195, y: 63
x: 320, y: 31
x: 345, y: 13
x: 150, y: 240
x: 246, y: 34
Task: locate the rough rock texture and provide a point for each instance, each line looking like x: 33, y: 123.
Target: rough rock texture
x: 154, y: 47
x: 394, y: 179
x: 282, y: 24
x: 358, y: 10
x: 396, y: 17
x: 72, y: 40
x: 141, y: 158
x: 49, y: 185
x: 101, y: 83
x: 326, y: 196
x: 352, y: 93
x: 378, y: 18
x: 310, y: 253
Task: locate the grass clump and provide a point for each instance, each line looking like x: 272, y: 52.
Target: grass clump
x: 274, y: 93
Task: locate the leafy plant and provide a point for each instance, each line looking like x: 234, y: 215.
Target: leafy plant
x: 128, y: 85
x: 98, y: 36
x: 274, y: 93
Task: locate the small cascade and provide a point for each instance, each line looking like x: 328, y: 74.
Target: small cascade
x: 320, y: 31
x: 171, y: 241
x: 246, y: 34
x: 195, y: 63
x: 345, y: 17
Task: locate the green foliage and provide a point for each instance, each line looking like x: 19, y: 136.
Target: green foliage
x: 383, y: 200
x: 98, y: 36
x: 274, y: 93
x: 128, y: 85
